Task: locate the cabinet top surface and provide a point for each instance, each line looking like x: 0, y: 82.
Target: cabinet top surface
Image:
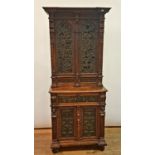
x: 76, y: 7
x: 84, y: 89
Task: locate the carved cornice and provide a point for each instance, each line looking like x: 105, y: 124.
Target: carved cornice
x: 51, y: 10
x: 104, y: 10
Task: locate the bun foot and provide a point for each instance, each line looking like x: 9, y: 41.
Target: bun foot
x: 55, y: 150
x: 101, y: 148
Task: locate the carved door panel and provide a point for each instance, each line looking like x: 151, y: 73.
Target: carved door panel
x: 64, y: 38
x: 67, y: 123
x: 87, y: 46
x: 89, y: 122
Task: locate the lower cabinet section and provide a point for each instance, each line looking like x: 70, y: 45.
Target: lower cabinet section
x: 78, y: 123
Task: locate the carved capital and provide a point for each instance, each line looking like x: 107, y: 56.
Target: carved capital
x: 77, y: 82
x: 100, y: 83
x: 53, y: 97
x: 100, y: 75
x: 53, y: 116
x: 102, y: 114
x: 54, y: 81
x: 103, y: 96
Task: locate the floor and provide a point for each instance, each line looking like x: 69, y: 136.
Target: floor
x: 42, y: 138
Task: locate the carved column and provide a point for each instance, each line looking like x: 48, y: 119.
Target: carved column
x: 78, y: 122
x: 55, y: 143
x: 102, y: 119
x: 101, y: 34
x: 52, y: 42
x: 77, y: 63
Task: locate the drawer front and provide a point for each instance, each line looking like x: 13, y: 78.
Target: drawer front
x: 77, y: 98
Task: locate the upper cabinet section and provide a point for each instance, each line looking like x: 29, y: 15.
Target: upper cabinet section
x: 76, y: 36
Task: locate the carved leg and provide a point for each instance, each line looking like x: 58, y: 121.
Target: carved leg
x: 101, y: 148
x: 55, y: 147
x: 101, y: 144
x: 55, y: 150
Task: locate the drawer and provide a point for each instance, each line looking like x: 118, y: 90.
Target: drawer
x: 78, y: 98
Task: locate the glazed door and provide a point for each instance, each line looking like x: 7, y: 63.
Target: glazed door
x: 64, y: 38
x: 78, y: 122
x: 87, y: 46
x: 67, y: 123
x: 89, y: 122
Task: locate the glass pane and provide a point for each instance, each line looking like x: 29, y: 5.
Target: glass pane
x: 67, y: 122
x: 64, y: 43
x: 87, y: 45
x: 89, y: 121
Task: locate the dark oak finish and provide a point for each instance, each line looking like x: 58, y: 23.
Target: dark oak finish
x: 77, y: 94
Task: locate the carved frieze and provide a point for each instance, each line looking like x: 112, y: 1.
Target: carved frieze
x: 65, y: 99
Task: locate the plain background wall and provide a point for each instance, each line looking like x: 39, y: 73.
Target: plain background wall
x: 111, y: 65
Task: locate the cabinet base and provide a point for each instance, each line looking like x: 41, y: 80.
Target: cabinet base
x: 78, y: 145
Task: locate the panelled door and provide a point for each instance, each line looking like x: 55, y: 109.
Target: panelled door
x: 87, y: 45
x: 64, y: 38
x: 88, y: 48
x: 67, y: 123
x: 89, y: 122
x: 78, y: 117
